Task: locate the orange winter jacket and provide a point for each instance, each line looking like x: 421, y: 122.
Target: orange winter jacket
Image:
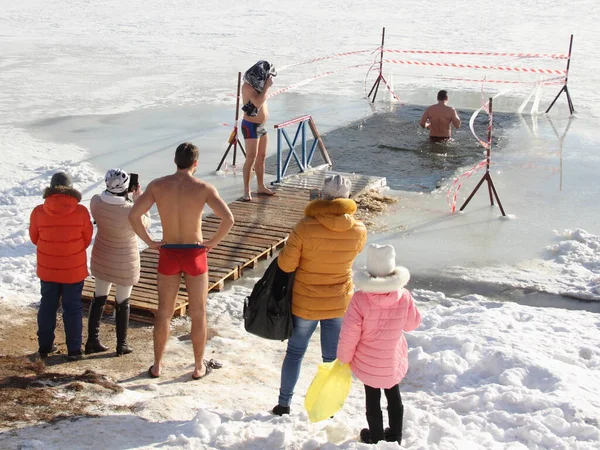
x: 61, y: 229
x: 321, y: 249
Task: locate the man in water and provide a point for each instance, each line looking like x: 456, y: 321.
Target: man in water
x: 180, y: 199
x: 438, y: 119
x: 257, y: 81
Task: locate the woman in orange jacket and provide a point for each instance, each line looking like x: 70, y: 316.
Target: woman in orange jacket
x: 61, y: 229
x: 321, y: 250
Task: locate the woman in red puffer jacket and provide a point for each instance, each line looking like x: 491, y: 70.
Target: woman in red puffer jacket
x: 62, y: 230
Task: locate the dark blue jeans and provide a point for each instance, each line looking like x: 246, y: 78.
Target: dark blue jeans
x: 297, y: 345
x: 70, y: 295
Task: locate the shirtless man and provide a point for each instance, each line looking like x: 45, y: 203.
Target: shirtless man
x: 438, y: 119
x: 180, y: 199
x: 255, y: 133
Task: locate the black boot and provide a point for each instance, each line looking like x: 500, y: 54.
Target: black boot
x: 122, y: 322
x: 375, y: 430
x: 93, y: 344
x: 396, y: 417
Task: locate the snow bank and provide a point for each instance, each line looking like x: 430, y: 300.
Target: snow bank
x: 571, y: 269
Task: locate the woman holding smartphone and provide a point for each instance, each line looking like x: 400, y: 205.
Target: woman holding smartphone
x: 115, y: 256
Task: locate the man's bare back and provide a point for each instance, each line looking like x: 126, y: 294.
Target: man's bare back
x: 180, y: 200
x: 441, y: 118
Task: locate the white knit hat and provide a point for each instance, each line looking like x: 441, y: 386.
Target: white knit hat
x: 381, y: 274
x: 381, y: 260
x: 336, y: 186
x: 117, y: 181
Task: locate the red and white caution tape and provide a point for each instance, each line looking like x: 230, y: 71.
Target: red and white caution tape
x: 474, y: 66
x: 338, y: 55
x: 558, y: 80
x: 308, y: 80
x: 459, y: 181
x: 503, y: 54
x: 391, y: 92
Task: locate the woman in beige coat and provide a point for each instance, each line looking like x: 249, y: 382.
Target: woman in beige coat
x: 115, y: 258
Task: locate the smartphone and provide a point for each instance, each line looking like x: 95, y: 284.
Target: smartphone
x: 315, y: 194
x: 133, y: 182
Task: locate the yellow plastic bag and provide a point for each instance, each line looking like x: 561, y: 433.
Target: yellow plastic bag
x: 328, y: 391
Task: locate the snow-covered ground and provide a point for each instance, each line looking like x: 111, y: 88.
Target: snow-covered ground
x: 84, y: 87
x: 483, y: 375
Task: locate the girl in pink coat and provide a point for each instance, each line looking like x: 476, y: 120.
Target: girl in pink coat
x: 372, y: 338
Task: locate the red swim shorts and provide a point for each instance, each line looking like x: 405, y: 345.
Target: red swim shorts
x: 189, y: 259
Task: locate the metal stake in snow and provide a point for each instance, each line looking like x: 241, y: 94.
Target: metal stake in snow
x: 486, y: 176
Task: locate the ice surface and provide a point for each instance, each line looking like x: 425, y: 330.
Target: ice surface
x: 122, y: 83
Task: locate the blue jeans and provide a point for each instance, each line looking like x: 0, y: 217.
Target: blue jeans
x: 297, y: 345
x: 70, y: 295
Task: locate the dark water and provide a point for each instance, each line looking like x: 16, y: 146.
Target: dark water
x: 392, y: 145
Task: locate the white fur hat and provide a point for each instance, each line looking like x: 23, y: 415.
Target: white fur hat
x: 117, y: 181
x: 336, y: 186
x: 381, y: 274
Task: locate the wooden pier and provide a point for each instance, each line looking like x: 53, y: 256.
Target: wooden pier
x: 261, y: 227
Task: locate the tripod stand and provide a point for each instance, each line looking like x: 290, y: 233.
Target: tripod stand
x: 487, y: 176
x: 380, y: 76
x: 565, y: 89
x: 234, y: 139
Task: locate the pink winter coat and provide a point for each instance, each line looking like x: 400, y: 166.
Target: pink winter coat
x: 372, y: 337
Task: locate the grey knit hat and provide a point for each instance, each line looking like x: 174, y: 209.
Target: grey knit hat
x: 61, y: 179
x: 336, y: 186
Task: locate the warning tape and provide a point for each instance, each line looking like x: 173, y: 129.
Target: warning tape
x: 338, y: 55
x: 473, y: 66
x: 457, y: 184
x: 308, y: 80
x: 518, y: 55
x: 483, y: 143
x: 560, y: 80
x: 391, y: 92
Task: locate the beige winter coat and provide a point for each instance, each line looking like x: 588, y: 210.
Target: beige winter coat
x: 115, y: 254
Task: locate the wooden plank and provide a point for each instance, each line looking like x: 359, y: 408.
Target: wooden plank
x: 268, y: 207
x: 255, y: 227
x: 281, y: 217
x: 243, y: 245
x: 250, y: 230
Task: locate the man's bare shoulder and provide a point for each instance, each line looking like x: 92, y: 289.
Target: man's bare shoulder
x: 199, y: 186
x: 161, y: 181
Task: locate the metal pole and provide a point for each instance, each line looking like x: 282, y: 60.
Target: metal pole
x: 302, y: 124
x: 278, y: 155
x: 569, y: 59
x: 564, y: 88
x: 571, y: 107
x: 490, y: 124
x: 489, y: 149
x: 487, y: 177
x: 237, y: 115
x: 381, y: 53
